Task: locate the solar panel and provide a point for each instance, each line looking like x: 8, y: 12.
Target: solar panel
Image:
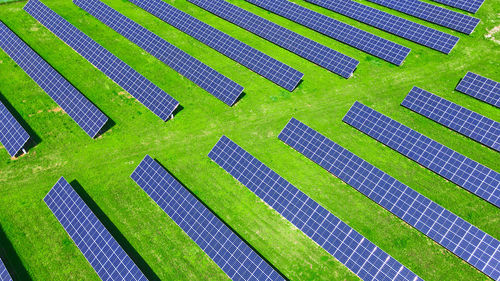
x: 321, y: 55
x: 353, y: 250
x: 79, y: 108
x: 95, y: 242
x: 154, y: 98
x: 360, y: 39
x: 401, y: 27
x: 452, y: 232
x: 431, y: 13
x: 480, y: 88
x: 4, y: 274
x: 217, y: 240
x: 476, y: 178
x: 202, y: 75
x: 454, y: 116
x: 466, y: 5
x: 272, y: 69
x: 12, y: 135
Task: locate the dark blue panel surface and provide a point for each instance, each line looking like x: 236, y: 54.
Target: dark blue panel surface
x: 78, y: 107
x: 466, y: 5
x: 476, y: 178
x: 348, y: 246
x: 221, y: 244
x: 95, y: 242
x: 480, y: 88
x: 455, y: 234
x: 12, y: 135
x: 321, y: 55
x: 454, y: 116
x: 431, y: 13
x: 335, y: 29
x: 4, y: 274
x: 401, y: 27
x: 202, y: 75
x: 154, y: 98
x: 268, y: 67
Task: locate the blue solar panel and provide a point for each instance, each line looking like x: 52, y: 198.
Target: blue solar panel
x: 362, y: 40
x: 480, y: 88
x: 466, y: 5
x: 202, y: 75
x: 217, y: 240
x: 454, y: 116
x: 476, y: 178
x: 270, y: 68
x: 321, y: 55
x: 79, y: 108
x: 455, y: 234
x: 4, y: 274
x: 12, y: 135
x: 401, y: 27
x: 348, y: 246
x: 100, y: 249
x: 431, y: 13
x: 154, y: 98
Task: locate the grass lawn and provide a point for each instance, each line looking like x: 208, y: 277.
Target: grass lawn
x: 35, y: 246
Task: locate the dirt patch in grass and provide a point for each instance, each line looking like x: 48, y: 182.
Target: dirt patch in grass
x: 491, y: 34
x: 125, y: 94
x: 56, y: 110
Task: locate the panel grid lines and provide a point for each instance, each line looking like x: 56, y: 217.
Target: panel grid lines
x: 360, y: 39
x: 481, y: 88
x: 457, y: 235
x: 12, y: 135
x: 319, y: 54
x: 466, y: 5
x: 4, y: 274
x: 154, y: 98
x: 217, y: 240
x: 358, y: 254
x: 476, y: 178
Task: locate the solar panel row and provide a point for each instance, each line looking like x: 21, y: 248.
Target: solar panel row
x: 321, y: 55
x: 217, y: 240
x: 480, y: 88
x: 154, y: 98
x: 431, y: 13
x: 348, y: 246
x: 455, y: 234
x: 12, y: 135
x: 202, y: 75
x: 79, y: 108
x: 401, y: 27
x: 95, y: 242
x: 270, y: 68
x: 340, y: 31
x: 466, y: 5
x: 476, y: 178
x: 4, y: 274
x: 454, y: 116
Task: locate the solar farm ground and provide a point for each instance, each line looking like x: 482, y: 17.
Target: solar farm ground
x: 35, y: 246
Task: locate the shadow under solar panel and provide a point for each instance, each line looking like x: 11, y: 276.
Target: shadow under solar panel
x: 12, y: 135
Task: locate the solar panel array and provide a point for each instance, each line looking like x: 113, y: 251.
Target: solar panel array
x: 100, y: 249
x: 431, y: 13
x: 401, y: 27
x: 272, y: 69
x: 455, y: 234
x: 480, y: 88
x: 202, y: 75
x: 217, y: 240
x: 335, y: 29
x: 321, y: 55
x: 466, y: 5
x: 79, y: 108
x: 154, y: 98
x: 12, y: 135
x: 348, y: 246
x: 4, y: 274
x: 454, y: 116
x: 476, y: 178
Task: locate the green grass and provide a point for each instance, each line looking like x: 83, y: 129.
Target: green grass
x: 36, y: 246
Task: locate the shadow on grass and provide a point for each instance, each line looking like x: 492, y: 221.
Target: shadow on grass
x: 122, y: 241
x: 11, y: 259
x: 108, y: 125
x: 219, y: 218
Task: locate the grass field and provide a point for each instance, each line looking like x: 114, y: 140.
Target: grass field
x: 35, y: 245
